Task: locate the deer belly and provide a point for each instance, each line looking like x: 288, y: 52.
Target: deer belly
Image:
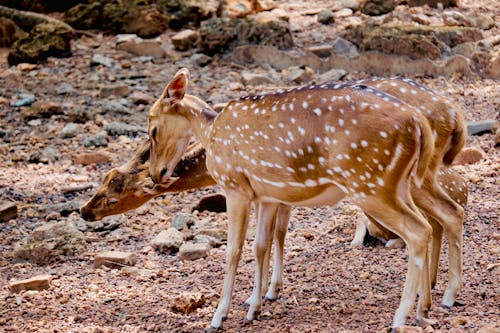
x: 330, y: 195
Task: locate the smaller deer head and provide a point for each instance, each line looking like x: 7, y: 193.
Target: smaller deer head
x: 169, y: 144
x: 124, y: 188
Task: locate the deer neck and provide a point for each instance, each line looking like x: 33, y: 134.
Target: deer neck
x: 201, y: 116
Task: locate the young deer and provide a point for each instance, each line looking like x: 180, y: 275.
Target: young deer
x: 331, y: 141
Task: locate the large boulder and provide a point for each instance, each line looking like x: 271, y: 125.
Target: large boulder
x: 45, y: 40
x: 222, y: 34
x: 414, y: 41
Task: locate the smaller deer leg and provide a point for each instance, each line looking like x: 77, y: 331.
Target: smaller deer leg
x: 436, y: 241
x: 237, y: 209
x: 282, y: 219
x: 360, y: 232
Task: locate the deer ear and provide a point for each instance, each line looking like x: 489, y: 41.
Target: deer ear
x: 176, y: 89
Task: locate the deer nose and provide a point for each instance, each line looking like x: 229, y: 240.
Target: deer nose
x: 87, y: 215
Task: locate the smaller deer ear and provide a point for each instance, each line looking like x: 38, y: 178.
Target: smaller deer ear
x: 176, y: 89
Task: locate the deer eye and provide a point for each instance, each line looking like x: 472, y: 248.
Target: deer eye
x: 112, y: 201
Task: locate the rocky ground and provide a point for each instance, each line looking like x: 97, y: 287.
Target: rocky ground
x: 67, y: 121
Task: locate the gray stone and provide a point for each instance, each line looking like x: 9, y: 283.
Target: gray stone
x: 64, y: 88
x: 168, y: 241
x: 114, y: 89
x: 212, y: 241
x: 51, y: 230
x: 480, y: 127
x: 219, y: 234
x: 99, y: 59
x: 200, y: 59
x: 344, y: 47
x: 139, y: 97
x: 149, y: 48
x: 182, y: 220
x: 63, y: 208
x: 298, y: 75
x: 325, y: 16
x: 70, y: 131
x: 118, y: 128
x: 116, y: 107
x: 332, y: 75
x: 23, y: 100
x: 322, y: 51
x: 98, y: 140
x: 193, y: 251
x: 254, y: 79
x: 46, y: 155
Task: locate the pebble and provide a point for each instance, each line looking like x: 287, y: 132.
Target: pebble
x: 115, y: 259
x: 23, y: 100
x: 97, y: 140
x: 118, y: 107
x: 70, y: 130
x: 200, y: 59
x: 193, y: 251
x: 344, y: 47
x: 92, y: 158
x: 332, y: 75
x: 99, y: 59
x: 115, y: 89
x: 188, y: 302
x: 39, y: 282
x: 185, y: 39
x: 182, y: 220
x: 139, y: 97
x: 254, y: 79
x: 8, y: 210
x: 168, y: 241
x: 219, y: 234
x: 325, y: 16
x: 64, y: 89
x: 118, y: 128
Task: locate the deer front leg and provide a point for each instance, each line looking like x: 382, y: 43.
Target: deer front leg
x: 237, y: 211
x: 262, y: 243
x: 280, y: 229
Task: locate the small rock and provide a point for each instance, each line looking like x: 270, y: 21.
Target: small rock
x: 116, y: 90
x: 41, y: 109
x: 64, y: 89
x: 344, y: 12
x: 212, y: 241
x: 63, y: 208
x: 322, y: 51
x: 188, y: 302
x: 377, y: 7
x: 271, y: 16
x: 118, y: 128
x: 299, y: 75
x: 99, y: 59
x: 39, y: 282
x: 47, y: 155
x: 26, y: 67
x: 193, y: 251
x: 219, y: 234
x: 23, y: 100
x: 98, y: 140
x: 185, y: 40
x: 115, y: 259
x: 182, y: 220
x: 458, y: 321
x: 254, y: 79
x: 480, y: 127
x: 116, y: 107
x: 139, y: 97
x: 212, y: 203
x: 55, y: 229
x: 332, y: 75
x: 69, y: 131
x: 77, y: 115
x: 497, y: 137
x: 469, y: 155
x: 421, y: 18
x: 8, y: 211
x: 344, y: 47
x: 141, y: 48
x: 409, y: 329
x: 325, y: 16
x: 168, y: 241
x: 200, y: 59
x: 92, y: 158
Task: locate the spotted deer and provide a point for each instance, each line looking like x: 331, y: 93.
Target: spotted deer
x: 328, y: 142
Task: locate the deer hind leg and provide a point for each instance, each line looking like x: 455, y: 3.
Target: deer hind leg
x: 398, y: 217
x: 436, y: 241
x: 238, y: 207
x: 450, y: 216
x: 282, y: 219
x: 262, y: 243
